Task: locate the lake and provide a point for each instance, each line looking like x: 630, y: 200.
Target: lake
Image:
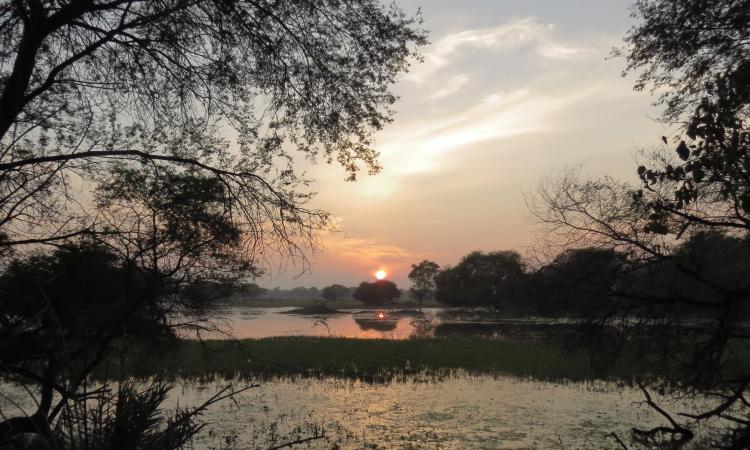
x: 462, y: 412
x: 458, y: 412
x: 251, y: 323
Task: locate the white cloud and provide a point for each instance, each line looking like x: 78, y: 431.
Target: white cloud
x: 561, y: 52
x: 507, y: 36
x: 419, y: 147
x: 450, y: 87
x: 502, y: 96
x: 497, y: 116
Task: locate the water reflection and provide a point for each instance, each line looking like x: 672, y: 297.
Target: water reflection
x: 461, y: 411
x: 422, y: 327
x: 455, y: 412
x: 386, y: 324
x: 377, y: 324
x: 268, y: 322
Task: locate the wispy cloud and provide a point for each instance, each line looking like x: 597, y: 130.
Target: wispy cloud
x: 497, y: 116
x: 510, y: 35
x: 365, y: 253
x: 505, y: 36
x: 450, y: 87
x: 562, y: 52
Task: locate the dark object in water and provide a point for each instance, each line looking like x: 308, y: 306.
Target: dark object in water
x: 315, y: 310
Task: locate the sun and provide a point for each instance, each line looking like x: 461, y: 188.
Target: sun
x: 380, y: 274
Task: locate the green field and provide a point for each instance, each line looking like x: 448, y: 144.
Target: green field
x: 372, y: 360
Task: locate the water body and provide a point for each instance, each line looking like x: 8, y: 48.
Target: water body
x: 247, y: 322
x: 459, y: 412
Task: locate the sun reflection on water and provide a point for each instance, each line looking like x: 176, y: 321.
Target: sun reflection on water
x: 457, y: 411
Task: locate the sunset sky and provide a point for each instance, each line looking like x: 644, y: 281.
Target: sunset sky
x: 509, y: 91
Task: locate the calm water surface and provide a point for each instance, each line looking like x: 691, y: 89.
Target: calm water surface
x: 267, y: 322
x: 462, y: 411
x: 247, y: 322
x: 459, y: 412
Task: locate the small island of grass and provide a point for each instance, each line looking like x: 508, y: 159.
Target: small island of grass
x: 317, y: 310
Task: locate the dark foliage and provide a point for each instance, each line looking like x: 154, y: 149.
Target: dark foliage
x: 380, y: 292
x: 686, y: 47
x: 153, y: 143
x: 422, y: 276
x: 129, y: 418
x: 580, y: 282
x: 334, y: 292
x: 62, y: 314
x: 217, y: 94
x: 683, y: 231
x: 493, y: 279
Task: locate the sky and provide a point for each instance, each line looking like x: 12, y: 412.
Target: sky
x: 510, y: 91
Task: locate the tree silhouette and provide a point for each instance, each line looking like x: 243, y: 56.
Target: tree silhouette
x: 380, y: 292
x: 163, y: 134
x: 422, y: 276
x: 492, y: 278
x: 580, y: 282
x: 691, y: 202
x: 684, y: 49
x: 96, y: 91
x: 63, y: 314
x: 334, y: 292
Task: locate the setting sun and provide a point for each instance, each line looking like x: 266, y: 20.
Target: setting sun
x: 380, y: 274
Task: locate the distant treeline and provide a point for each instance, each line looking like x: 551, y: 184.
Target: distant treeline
x: 578, y: 282
x: 300, y: 293
x: 251, y: 291
x: 593, y: 281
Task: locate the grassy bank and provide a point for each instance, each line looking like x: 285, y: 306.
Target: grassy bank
x: 369, y: 359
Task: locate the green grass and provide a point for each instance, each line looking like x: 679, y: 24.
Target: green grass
x: 366, y: 359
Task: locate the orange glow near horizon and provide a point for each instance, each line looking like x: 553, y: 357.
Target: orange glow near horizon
x: 380, y: 274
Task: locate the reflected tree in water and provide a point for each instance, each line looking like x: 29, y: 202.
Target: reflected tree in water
x: 376, y: 324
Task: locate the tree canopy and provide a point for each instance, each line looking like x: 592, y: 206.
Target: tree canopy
x: 380, y: 292
x: 218, y: 96
x: 480, y: 278
x: 422, y: 276
x: 580, y: 282
x: 154, y: 145
x: 698, y: 55
x: 334, y: 292
x: 62, y: 314
x: 686, y: 49
x: 692, y: 204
